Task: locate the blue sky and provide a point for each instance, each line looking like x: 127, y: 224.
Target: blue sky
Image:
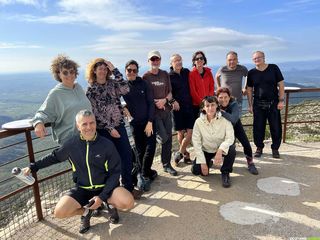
x: 32, y: 32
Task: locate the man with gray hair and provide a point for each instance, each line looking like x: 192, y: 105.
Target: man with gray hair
x: 96, y: 165
x: 183, y: 112
x: 233, y: 76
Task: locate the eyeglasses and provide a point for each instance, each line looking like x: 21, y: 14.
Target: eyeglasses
x: 257, y: 58
x: 130, y: 70
x: 199, y: 59
x: 70, y: 72
x: 154, y: 59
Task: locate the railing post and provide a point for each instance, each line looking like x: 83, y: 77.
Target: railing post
x: 285, y: 118
x: 36, y: 191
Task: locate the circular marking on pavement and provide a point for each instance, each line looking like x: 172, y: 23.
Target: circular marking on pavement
x: 248, y: 213
x: 277, y: 185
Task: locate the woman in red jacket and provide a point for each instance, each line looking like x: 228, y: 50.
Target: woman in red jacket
x: 201, y: 81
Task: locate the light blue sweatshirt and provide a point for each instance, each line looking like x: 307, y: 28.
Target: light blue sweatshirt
x: 60, y: 109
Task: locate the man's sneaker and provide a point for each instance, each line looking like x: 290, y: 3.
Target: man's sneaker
x: 97, y: 212
x: 177, y: 157
x: 113, y: 212
x: 153, y: 174
x: 147, y: 184
x: 275, y: 153
x: 140, y: 182
x: 85, y: 221
x: 186, y: 158
x: 252, y: 169
x: 258, y: 152
x: 136, y: 194
x: 225, y: 177
x: 169, y: 169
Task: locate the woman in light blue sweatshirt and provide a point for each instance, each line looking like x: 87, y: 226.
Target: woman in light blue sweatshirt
x: 63, y: 102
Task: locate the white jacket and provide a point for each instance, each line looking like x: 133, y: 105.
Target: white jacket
x: 211, y: 136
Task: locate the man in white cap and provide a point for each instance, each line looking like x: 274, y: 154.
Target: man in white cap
x: 159, y: 83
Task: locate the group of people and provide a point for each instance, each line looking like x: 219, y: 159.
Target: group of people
x: 90, y: 126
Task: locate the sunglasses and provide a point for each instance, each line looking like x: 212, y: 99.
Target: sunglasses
x: 130, y: 70
x: 154, y: 59
x: 99, y: 64
x: 199, y: 59
x: 70, y: 72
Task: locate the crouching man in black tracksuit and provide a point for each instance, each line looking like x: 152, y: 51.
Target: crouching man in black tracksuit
x: 96, y: 165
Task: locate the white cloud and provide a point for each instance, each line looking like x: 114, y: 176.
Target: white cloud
x: 294, y: 6
x: 196, y: 38
x: 5, y: 45
x: 216, y: 42
x: 112, y: 15
x: 35, y: 3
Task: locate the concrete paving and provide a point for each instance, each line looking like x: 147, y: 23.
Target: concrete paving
x: 282, y: 202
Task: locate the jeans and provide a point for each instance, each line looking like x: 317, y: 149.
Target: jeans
x: 260, y: 116
x: 146, y: 147
x: 163, y: 124
x: 226, y: 166
x: 123, y: 146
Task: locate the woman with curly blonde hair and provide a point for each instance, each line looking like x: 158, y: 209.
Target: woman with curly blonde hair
x: 104, y: 93
x: 63, y: 102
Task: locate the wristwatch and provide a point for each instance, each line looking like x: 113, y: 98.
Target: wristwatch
x: 281, y: 99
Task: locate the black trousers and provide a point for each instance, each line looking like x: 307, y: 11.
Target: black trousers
x: 241, y: 135
x: 146, y: 147
x: 260, y: 116
x: 226, y: 166
x: 163, y: 122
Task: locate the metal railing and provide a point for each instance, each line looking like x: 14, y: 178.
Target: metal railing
x: 44, y: 193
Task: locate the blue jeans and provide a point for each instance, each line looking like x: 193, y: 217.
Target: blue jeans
x: 123, y: 146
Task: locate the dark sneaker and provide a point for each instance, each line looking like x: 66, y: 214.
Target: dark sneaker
x: 153, y: 175
x: 252, y: 169
x: 97, y: 212
x: 258, y: 152
x: 275, y: 153
x: 114, y: 216
x: 225, y: 177
x: 140, y: 182
x: 136, y: 194
x: 169, y: 169
x: 177, y: 157
x: 147, y: 184
x: 85, y: 222
x: 186, y: 158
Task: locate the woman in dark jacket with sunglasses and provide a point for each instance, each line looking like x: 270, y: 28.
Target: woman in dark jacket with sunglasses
x: 140, y: 106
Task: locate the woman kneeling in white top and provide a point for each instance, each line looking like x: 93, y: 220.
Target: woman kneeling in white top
x: 213, y: 137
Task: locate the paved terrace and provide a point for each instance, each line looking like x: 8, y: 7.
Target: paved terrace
x: 282, y: 202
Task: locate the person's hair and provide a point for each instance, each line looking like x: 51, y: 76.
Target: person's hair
x: 60, y: 62
x: 209, y: 99
x: 132, y: 62
x: 223, y: 90
x: 195, y: 55
x: 92, y: 66
x: 173, y: 56
x: 232, y: 53
x: 83, y: 113
x: 259, y: 52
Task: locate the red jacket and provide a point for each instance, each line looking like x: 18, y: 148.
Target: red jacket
x: 200, y: 87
